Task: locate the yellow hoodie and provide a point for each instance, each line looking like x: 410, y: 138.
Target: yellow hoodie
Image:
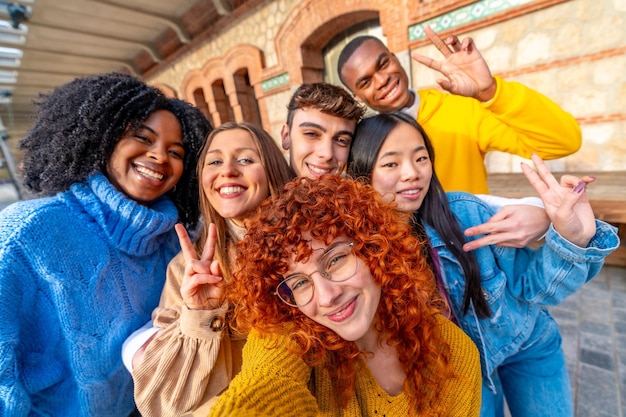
x: 517, y: 120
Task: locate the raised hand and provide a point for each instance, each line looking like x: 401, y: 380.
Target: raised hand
x: 200, y: 288
x: 515, y: 225
x: 566, y: 203
x: 467, y: 73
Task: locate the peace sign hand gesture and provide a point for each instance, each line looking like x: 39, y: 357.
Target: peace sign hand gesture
x: 467, y: 73
x: 566, y: 203
x: 200, y: 289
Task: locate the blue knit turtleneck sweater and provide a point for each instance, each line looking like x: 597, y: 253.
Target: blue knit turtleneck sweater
x: 79, y: 272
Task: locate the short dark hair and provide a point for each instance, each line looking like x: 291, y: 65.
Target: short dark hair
x: 78, y: 124
x: 327, y: 98
x: 349, y: 49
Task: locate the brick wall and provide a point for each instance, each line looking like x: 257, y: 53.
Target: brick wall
x: 572, y: 51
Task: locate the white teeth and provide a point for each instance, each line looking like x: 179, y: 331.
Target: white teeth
x: 319, y: 170
x: 391, y: 93
x: 231, y: 190
x: 410, y: 192
x: 150, y: 173
x: 338, y: 313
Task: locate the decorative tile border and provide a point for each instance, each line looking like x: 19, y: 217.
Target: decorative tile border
x: 479, y: 10
x: 278, y: 81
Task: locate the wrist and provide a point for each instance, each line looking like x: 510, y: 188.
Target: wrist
x: 203, y: 324
x: 487, y: 94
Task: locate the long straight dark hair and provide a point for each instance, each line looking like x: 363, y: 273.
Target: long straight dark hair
x: 435, y: 211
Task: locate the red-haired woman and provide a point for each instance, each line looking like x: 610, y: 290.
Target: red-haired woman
x: 343, y: 313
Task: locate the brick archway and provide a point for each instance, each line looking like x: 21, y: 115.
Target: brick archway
x: 193, y: 80
x: 195, y: 91
x: 223, y: 72
x: 313, y: 23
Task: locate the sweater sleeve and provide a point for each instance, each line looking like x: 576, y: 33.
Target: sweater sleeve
x: 545, y: 127
x: 272, y: 382
x: 187, y: 363
x: 463, y: 392
x: 14, y: 400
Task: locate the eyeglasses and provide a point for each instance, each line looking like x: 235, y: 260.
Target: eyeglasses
x: 338, y: 263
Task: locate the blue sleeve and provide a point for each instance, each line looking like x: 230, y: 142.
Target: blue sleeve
x: 546, y: 275
x: 559, y: 268
x: 14, y: 399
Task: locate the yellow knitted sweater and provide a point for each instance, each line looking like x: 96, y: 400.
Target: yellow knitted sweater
x: 275, y: 382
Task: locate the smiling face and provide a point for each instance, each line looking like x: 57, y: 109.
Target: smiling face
x: 349, y: 307
x: 233, y: 177
x: 318, y: 143
x: 375, y: 76
x: 403, y: 169
x: 148, y: 161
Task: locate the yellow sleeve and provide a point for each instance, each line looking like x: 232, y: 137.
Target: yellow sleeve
x: 463, y: 392
x: 272, y: 382
x: 518, y: 121
x: 550, y: 131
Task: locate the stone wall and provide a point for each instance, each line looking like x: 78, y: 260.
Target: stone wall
x: 571, y: 51
x: 574, y: 53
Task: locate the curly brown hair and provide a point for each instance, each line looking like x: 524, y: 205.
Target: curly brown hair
x: 325, y: 209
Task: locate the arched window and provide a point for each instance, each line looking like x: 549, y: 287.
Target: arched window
x: 246, y: 97
x: 200, y: 102
x: 222, y: 105
x: 333, y: 48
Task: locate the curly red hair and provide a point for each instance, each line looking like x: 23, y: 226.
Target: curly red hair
x: 325, y: 209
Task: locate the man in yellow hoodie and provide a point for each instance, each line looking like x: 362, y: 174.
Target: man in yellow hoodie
x: 482, y: 113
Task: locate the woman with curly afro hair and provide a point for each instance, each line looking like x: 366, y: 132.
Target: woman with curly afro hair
x: 342, y: 313
x: 113, y: 161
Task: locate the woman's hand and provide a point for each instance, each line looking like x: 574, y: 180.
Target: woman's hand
x: 566, y: 203
x: 200, y: 288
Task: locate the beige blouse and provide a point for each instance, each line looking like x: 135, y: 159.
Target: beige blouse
x: 190, y: 361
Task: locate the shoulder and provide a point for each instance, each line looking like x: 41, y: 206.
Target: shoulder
x: 274, y: 354
x: 32, y: 216
x: 465, y: 205
x: 463, y: 391
x: 273, y: 381
x: 464, y: 356
x: 460, y: 343
x: 273, y: 349
x: 468, y: 209
x: 32, y: 233
x: 434, y: 103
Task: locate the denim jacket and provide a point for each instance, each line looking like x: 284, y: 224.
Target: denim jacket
x: 517, y: 283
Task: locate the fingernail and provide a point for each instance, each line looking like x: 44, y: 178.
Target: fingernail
x: 581, y: 186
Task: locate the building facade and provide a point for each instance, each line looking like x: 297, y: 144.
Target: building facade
x: 572, y: 51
